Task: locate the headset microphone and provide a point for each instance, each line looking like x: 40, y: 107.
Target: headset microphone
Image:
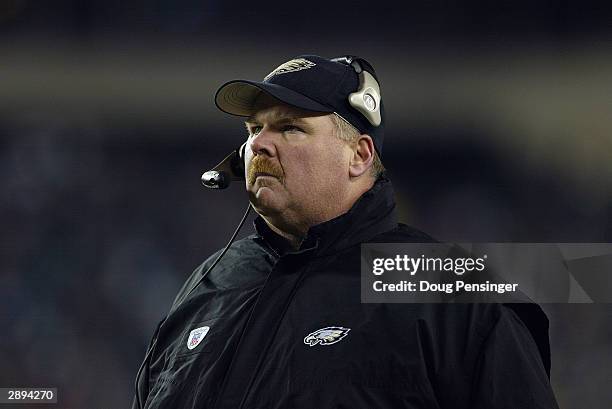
x: 216, y: 179
x: 227, y: 171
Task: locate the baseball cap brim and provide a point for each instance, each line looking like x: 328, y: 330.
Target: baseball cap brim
x: 238, y: 97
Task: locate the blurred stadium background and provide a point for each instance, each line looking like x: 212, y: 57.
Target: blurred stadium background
x: 499, y: 129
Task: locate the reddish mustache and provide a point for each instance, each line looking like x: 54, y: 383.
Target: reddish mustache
x: 261, y: 165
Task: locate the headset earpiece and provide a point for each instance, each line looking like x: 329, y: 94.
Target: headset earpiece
x: 367, y: 98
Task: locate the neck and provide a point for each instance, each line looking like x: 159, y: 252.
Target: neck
x: 294, y: 231
x: 293, y: 239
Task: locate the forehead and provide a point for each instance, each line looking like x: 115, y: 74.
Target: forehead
x: 269, y: 109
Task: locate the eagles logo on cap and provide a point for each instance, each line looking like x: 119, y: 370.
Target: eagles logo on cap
x: 291, y: 66
x: 297, y: 64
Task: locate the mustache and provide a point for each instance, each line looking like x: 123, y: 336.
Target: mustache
x: 260, y: 164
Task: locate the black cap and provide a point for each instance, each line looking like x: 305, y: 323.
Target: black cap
x: 308, y: 82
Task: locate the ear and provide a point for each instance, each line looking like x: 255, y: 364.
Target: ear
x: 362, y: 156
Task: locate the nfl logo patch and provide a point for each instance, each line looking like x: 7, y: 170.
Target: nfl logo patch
x: 196, y: 336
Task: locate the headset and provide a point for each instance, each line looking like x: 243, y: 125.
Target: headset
x: 366, y: 100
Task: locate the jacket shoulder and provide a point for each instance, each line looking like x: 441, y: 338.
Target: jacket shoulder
x: 241, y: 253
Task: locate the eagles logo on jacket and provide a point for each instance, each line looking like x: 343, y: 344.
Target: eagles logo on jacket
x: 270, y: 328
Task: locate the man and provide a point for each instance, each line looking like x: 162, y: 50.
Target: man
x: 278, y: 322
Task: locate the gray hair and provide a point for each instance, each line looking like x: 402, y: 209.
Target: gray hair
x: 348, y: 133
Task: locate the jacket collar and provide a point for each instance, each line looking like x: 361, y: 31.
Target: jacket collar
x: 373, y: 213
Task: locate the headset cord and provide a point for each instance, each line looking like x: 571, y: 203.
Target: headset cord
x: 145, y: 362
x: 227, y: 246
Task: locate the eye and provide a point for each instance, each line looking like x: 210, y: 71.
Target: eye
x: 291, y: 128
x: 254, y: 130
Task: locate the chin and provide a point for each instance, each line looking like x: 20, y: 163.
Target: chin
x: 265, y: 200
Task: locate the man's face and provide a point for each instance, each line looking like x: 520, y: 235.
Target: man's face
x: 296, y: 168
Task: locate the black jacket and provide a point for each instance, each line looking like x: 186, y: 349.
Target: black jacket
x: 262, y: 307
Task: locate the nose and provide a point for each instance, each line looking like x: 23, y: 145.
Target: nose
x: 263, y: 142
